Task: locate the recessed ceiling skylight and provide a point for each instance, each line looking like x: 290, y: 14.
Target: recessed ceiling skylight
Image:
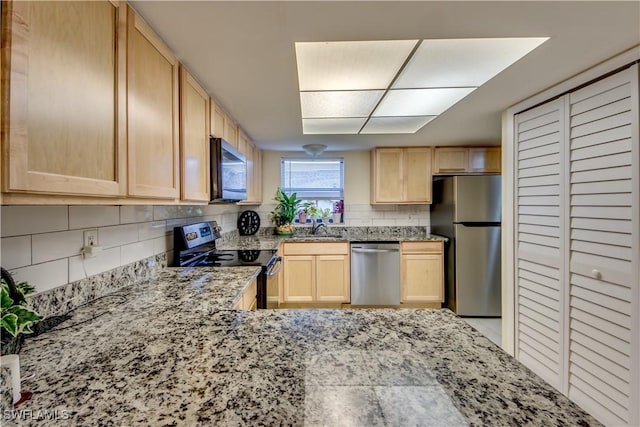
x: 462, y: 62
x: 346, y: 103
x: 395, y: 86
x: 420, y: 102
x: 378, y: 125
x: 350, y: 65
x: 333, y: 126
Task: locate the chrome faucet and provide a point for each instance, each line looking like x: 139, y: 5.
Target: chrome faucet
x: 317, y: 226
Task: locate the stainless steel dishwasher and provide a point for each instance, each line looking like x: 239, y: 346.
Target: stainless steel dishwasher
x: 375, y: 273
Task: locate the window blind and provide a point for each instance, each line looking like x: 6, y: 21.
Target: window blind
x: 313, y: 178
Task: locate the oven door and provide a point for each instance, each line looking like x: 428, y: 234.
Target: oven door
x: 273, y: 275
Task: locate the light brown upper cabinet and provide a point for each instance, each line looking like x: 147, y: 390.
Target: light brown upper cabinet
x: 223, y: 126
x: 401, y: 175
x: 243, y: 143
x: 152, y: 114
x: 254, y: 175
x: 485, y: 160
x: 194, y: 139
x: 230, y: 133
x: 466, y: 160
x: 217, y: 119
x: 63, y: 102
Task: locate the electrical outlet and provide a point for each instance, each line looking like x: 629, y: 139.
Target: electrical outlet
x: 91, y: 237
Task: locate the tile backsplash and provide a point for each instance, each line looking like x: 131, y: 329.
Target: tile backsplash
x: 41, y: 244
x: 361, y: 215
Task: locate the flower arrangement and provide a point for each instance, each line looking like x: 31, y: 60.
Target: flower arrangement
x: 338, y: 210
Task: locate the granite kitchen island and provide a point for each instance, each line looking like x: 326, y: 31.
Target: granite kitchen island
x: 171, y: 351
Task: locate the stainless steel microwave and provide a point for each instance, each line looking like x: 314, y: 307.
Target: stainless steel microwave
x: 228, y: 172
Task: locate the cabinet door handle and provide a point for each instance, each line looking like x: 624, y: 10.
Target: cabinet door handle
x: 360, y: 251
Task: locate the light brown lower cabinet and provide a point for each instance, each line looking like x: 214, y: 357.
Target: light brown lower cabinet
x: 316, y: 273
x: 422, y: 272
x: 249, y: 300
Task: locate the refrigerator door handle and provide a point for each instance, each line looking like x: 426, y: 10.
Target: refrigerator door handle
x: 479, y: 224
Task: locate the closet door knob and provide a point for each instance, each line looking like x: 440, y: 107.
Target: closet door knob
x: 596, y: 274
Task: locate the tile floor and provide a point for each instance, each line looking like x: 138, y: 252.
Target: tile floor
x: 355, y: 388
x: 490, y: 327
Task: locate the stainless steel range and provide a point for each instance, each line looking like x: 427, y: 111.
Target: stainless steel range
x: 194, y: 245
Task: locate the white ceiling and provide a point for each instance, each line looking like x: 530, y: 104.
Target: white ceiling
x: 243, y: 53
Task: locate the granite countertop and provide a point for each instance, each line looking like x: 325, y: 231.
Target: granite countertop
x: 266, y: 240
x: 171, y: 352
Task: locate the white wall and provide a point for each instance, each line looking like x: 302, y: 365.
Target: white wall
x: 357, y: 192
x: 41, y: 244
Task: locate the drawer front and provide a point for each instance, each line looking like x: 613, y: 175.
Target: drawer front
x: 332, y: 248
x: 249, y: 295
x: 424, y: 247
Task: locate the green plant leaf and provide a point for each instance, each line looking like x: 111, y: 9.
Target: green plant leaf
x: 25, y: 317
x: 9, y: 323
x: 4, y: 296
x: 25, y: 288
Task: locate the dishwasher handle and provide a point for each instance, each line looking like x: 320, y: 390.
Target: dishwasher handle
x: 364, y: 251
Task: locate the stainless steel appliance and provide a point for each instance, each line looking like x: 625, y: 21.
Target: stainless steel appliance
x: 467, y: 210
x: 228, y: 172
x: 194, y: 246
x: 375, y: 273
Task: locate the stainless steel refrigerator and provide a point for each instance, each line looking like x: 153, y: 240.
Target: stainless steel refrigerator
x: 467, y: 210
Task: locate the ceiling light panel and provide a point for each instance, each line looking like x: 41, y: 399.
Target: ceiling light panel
x: 339, y: 103
x: 419, y: 102
x: 387, y: 125
x: 463, y: 62
x: 350, y: 65
x: 332, y: 126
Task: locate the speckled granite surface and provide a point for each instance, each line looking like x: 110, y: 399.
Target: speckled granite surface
x: 266, y: 239
x: 64, y: 298
x: 170, y: 352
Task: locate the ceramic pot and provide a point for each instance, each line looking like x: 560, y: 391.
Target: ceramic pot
x: 336, y: 217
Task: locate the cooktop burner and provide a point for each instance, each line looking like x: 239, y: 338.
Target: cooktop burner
x: 226, y: 258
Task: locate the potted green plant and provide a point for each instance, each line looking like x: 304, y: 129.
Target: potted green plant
x: 16, y: 317
x: 325, y: 215
x: 312, y: 211
x: 285, y: 212
x: 302, y: 216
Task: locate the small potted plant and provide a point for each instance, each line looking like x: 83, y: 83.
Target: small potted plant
x: 16, y: 317
x: 302, y: 216
x: 338, y: 209
x: 285, y: 211
x: 325, y: 215
x: 312, y: 211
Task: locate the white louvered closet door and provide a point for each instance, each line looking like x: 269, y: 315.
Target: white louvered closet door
x: 603, y: 244
x: 540, y: 260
